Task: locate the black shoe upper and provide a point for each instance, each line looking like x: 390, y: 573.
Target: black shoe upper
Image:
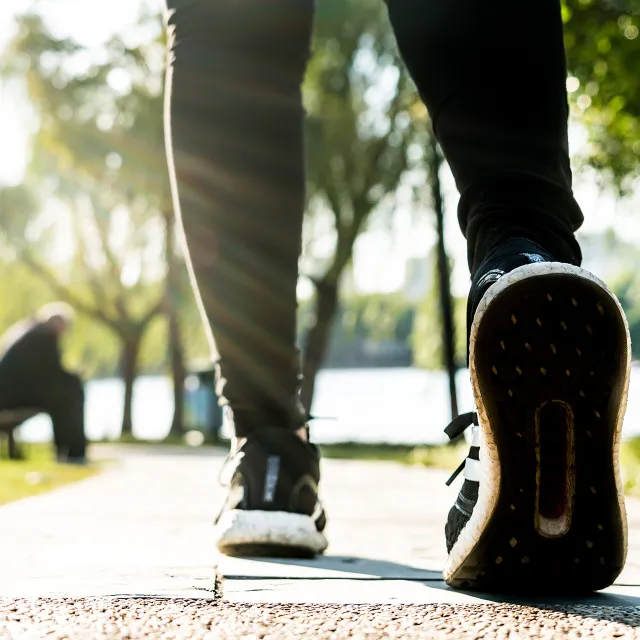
x: 461, y: 511
x: 274, y: 470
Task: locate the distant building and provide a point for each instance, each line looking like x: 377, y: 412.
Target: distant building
x: 418, y: 278
x: 348, y: 282
x: 607, y: 255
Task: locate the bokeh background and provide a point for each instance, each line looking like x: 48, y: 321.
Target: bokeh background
x: 86, y: 217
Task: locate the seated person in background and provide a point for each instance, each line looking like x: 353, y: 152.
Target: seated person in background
x: 32, y: 376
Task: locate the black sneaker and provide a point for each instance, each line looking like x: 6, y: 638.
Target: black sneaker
x: 542, y: 505
x: 272, y: 507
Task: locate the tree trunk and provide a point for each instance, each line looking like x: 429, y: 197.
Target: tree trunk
x: 178, y: 373
x: 318, y: 338
x: 178, y: 368
x: 129, y: 370
x: 444, y: 276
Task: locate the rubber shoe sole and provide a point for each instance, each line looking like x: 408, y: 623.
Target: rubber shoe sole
x: 279, y: 534
x: 549, y: 362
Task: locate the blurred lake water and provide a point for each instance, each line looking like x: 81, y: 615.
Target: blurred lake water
x: 408, y: 406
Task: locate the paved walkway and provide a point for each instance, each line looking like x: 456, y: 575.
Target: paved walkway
x: 129, y: 554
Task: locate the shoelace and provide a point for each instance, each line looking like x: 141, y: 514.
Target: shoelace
x: 455, y: 429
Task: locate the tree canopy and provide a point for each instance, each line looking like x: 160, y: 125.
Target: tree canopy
x: 603, y: 53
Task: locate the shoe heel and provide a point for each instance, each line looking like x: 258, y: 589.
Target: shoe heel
x: 551, y: 362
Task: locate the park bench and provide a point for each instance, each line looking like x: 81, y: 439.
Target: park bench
x: 11, y: 419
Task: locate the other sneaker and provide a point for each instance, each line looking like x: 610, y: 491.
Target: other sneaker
x: 272, y: 507
x: 542, y: 504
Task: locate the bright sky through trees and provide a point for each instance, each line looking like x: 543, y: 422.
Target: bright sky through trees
x: 92, y: 22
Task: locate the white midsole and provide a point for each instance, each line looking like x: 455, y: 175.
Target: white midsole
x: 237, y: 527
x: 489, y: 483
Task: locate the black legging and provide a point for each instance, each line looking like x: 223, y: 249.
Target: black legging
x: 492, y: 74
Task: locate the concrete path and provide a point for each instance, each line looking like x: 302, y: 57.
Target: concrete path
x: 129, y: 554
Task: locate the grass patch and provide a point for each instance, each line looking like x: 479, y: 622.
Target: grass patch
x: 449, y: 457
x: 202, y: 439
x: 38, y: 472
x: 439, y: 456
x: 630, y: 463
x: 435, y: 456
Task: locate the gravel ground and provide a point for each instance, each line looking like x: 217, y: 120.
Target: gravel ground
x: 157, y: 618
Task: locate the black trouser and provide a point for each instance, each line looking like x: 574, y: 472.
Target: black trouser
x: 63, y: 400
x: 492, y: 74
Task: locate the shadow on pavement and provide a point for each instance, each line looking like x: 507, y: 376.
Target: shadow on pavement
x: 610, y: 606
x: 561, y: 602
x: 353, y: 568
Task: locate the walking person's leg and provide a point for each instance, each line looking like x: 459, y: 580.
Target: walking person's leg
x: 235, y: 141
x: 541, y: 505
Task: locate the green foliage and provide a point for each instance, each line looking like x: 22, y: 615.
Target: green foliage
x: 427, y: 334
x: 89, y: 348
x: 603, y: 51
x: 21, y: 292
x: 359, y: 127
x: 94, y: 217
x: 627, y: 288
x: 365, y: 320
x: 98, y: 172
x: 78, y: 185
x: 630, y: 465
x: 377, y: 317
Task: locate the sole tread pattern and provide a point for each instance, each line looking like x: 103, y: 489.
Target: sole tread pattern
x: 550, y: 358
